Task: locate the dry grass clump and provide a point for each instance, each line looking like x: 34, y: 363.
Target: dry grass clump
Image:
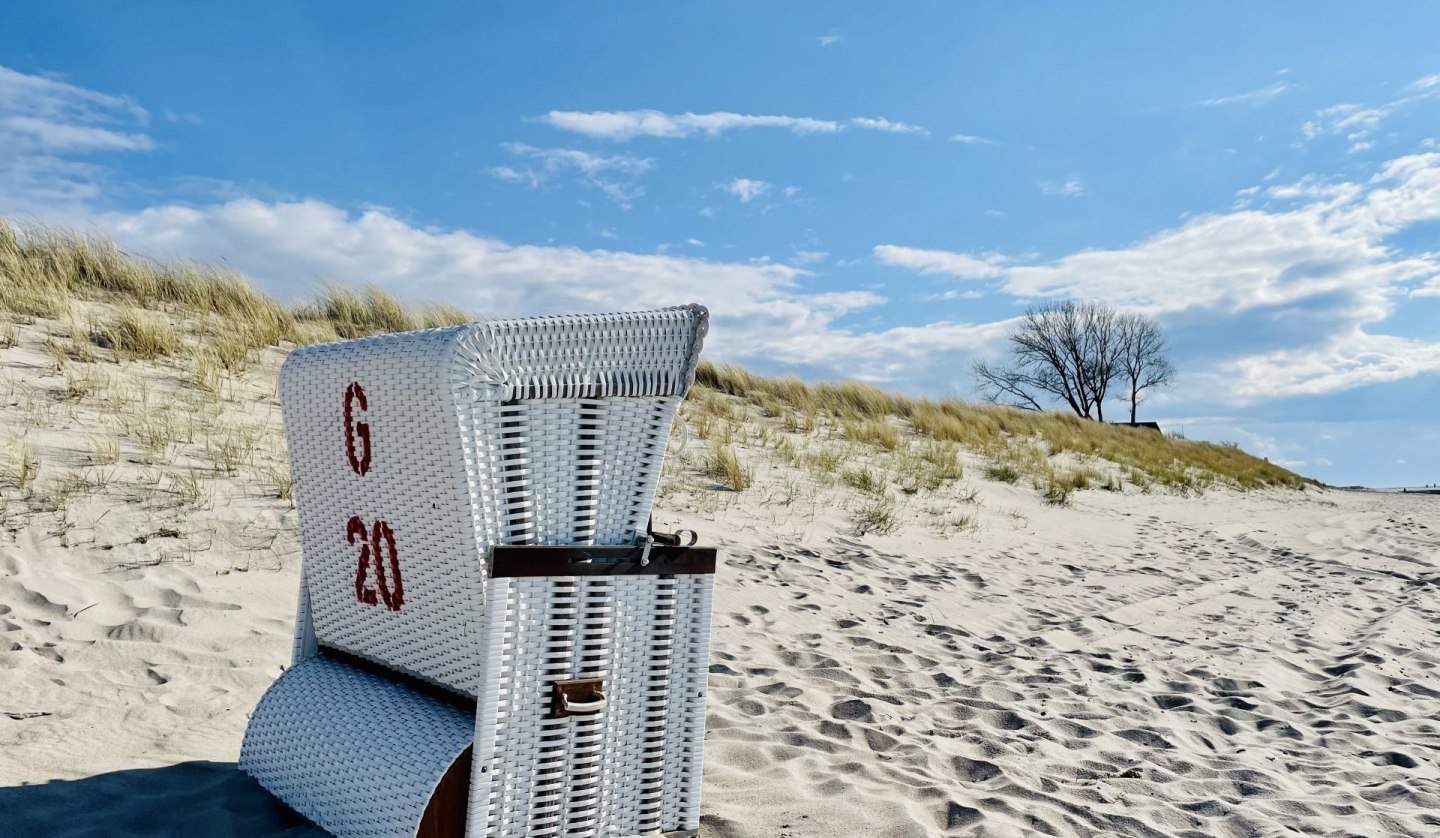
x: 83, y: 384
x: 864, y: 480
x: 208, y: 375
x: 138, y: 335
x: 928, y: 466
x: 370, y: 311
x: 724, y: 467
x: 1002, y: 473
x: 877, y: 516
x: 1057, y: 487
x: 280, y: 482
x: 104, y: 450
x: 26, y: 467
x: 876, y: 432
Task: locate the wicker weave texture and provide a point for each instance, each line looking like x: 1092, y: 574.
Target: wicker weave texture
x: 632, y: 769
x: 356, y: 753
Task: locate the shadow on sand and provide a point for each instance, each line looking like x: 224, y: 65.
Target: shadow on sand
x: 189, y: 799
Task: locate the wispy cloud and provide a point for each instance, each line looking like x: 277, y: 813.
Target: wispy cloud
x: 1252, y: 97
x: 1358, y: 124
x: 1070, y: 187
x: 958, y: 265
x: 880, y: 123
x: 627, y: 125
x: 50, y: 131
x: 612, y: 174
x: 970, y: 139
x: 52, y: 99
x: 745, y: 188
x: 621, y: 126
x: 41, y: 133
x: 829, y: 40
x: 1429, y: 82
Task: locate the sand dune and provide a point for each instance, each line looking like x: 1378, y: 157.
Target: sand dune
x: 1227, y: 664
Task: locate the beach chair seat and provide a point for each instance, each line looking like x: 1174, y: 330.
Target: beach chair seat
x: 488, y: 642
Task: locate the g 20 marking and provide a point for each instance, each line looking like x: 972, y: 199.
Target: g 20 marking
x: 359, y: 460
x: 377, y: 544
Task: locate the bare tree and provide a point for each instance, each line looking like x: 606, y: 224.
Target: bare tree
x: 1066, y: 351
x: 1142, y: 356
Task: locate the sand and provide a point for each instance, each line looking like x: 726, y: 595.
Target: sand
x: 1232, y: 664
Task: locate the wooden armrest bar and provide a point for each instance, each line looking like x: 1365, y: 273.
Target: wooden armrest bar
x: 622, y: 560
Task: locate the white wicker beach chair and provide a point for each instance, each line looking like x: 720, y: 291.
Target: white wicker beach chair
x: 488, y: 642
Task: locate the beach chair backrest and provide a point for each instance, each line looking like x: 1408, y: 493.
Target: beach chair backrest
x: 413, y: 454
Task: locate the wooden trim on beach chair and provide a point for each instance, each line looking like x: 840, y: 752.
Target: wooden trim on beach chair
x: 624, y: 560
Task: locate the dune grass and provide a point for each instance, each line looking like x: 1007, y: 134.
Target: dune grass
x: 43, y: 268
x: 1018, y: 442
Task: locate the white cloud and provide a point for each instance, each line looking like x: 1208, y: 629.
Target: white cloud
x: 1354, y: 122
x: 1315, y: 263
x: 880, y: 123
x: 970, y: 139
x: 1359, y: 124
x: 626, y: 125
x: 1345, y: 361
x: 560, y: 159
x: 958, y: 265
x: 511, y: 175
x: 957, y: 294
x: 45, y: 97
x: 62, y: 137
x: 829, y: 40
x: 615, y: 174
x: 1332, y: 241
x: 1252, y: 97
x: 1426, y: 82
x: 745, y: 188
x: 48, y: 129
x: 1071, y: 187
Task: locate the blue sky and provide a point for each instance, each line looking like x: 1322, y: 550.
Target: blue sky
x: 855, y: 189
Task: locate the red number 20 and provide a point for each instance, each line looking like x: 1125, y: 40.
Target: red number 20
x: 374, y: 547
x: 355, y: 397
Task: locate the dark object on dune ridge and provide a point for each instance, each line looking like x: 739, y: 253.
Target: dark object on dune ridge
x: 1152, y: 426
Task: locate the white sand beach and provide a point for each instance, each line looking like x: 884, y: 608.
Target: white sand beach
x: 1134, y: 662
